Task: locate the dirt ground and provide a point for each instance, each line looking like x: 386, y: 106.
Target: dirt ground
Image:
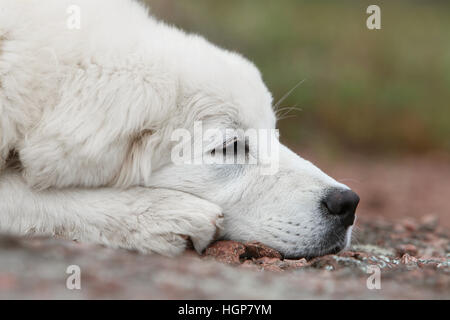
x: 395, y: 189
x: 402, y: 231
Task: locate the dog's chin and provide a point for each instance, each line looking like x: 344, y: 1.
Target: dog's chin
x: 331, y: 246
x: 332, y: 249
x: 316, y: 252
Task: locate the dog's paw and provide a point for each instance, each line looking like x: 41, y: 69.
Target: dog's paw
x: 206, y: 228
x: 165, y: 221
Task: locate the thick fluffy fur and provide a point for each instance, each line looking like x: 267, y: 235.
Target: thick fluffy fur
x: 90, y: 113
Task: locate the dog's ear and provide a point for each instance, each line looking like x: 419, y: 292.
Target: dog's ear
x: 13, y: 160
x: 138, y: 140
x: 137, y: 166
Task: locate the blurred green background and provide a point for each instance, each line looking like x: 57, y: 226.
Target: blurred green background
x: 365, y: 91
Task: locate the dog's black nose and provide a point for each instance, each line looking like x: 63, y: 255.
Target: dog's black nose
x: 342, y: 203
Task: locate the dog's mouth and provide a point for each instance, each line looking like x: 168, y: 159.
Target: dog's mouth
x: 337, y: 239
x: 330, y: 244
x: 334, y: 246
x: 319, y: 252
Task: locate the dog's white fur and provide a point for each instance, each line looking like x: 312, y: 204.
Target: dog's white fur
x: 90, y: 113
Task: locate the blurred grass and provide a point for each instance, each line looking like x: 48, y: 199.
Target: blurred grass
x: 369, y: 91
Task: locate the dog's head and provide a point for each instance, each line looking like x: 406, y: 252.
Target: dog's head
x: 267, y: 192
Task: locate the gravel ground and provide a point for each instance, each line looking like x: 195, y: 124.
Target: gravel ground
x: 413, y: 258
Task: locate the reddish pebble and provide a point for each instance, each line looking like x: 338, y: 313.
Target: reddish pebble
x: 258, y: 250
x: 226, y: 251
x: 406, y: 259
x: 406, y: 248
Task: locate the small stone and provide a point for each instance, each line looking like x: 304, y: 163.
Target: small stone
x: 294, y: 264
x: 407, y: 259
x: 233, y: 252
x: 258, y: 250
x: 410, y: 249
x: 272, y: 267
x: 350, y: 254
x: 266, y: 261
x: 229, y: 252
x: 429, y: 222
x: 398, y: 228
x: 410, y: 225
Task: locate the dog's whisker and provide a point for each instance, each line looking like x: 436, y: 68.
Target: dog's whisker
x: 287, y: 94
x: 284, y: 112
x: 286, y: 117
x: 288, y: 108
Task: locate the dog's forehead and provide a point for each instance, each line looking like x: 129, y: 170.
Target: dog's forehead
x: 253, y: 102
x: 245, y: 116
x: 241, y: 86
x: 230, y: 90
x: 256, y: 114
x: 249, y: 106
x: 263, y: 117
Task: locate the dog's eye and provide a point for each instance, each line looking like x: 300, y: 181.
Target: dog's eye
x: 233, y: 149
x: 247, y: 147
x: 227, y: 148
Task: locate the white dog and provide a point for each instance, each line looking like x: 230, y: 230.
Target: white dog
x: 90, y: 94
